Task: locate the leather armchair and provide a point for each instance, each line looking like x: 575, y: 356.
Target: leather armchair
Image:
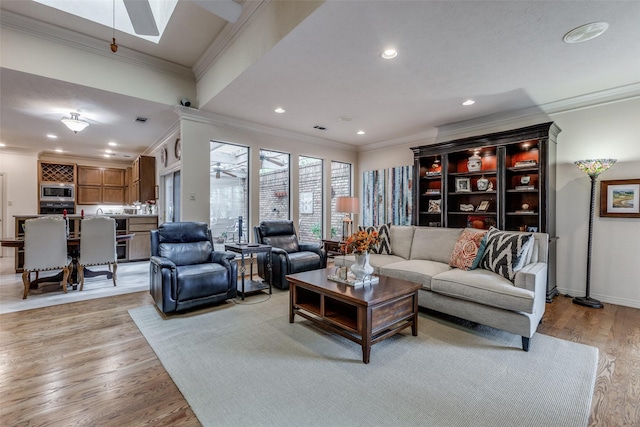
x: 288, y: 256
x: 185, y: 271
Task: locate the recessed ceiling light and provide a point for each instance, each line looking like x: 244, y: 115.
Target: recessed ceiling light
x: 58, y: 150
x: 360, y: 132
x: 2, y: 144
x: 469, y: 102
x: 113, y: 144
x: 108, y: 151
x: 106, y: 155
x: 389, y: 54
x: 279, y: 110
x: 585, y: 32
x: 51, y: 136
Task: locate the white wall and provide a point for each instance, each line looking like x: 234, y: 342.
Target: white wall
x: 195, y: 136
x: 21, y: 184
x: 608, y: 130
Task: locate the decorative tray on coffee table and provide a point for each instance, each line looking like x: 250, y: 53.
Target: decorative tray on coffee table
x: 352, y: 281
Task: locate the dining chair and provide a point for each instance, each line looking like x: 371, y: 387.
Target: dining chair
x: 97, y: 245
x: 45, y: 248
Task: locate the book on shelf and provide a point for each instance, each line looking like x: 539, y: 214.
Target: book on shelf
x: 521, y: 211
x: 525, y: 187
x: 432, y: 191
x: 525, y: 163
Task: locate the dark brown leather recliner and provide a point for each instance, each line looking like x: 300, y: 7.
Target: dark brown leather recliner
x: 287, y: 254
x: 185, y: 271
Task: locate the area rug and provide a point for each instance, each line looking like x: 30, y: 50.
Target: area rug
x: 247, y: 365
x: 131, y: 277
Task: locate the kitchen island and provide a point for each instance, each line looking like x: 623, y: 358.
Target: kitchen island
x: 136, y: 249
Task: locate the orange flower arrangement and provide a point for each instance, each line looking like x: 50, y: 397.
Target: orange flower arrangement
x: 361, y: 242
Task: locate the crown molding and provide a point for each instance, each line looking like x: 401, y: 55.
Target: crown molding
x: 200, y: 116
x: 92, y: 45
x: 230, y: 32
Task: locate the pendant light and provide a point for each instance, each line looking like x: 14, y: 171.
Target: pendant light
x: 114, y: 46
x: 74, y: 123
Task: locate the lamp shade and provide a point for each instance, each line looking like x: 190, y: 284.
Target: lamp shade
x: 74, y: 123
x: 594, y: 167
x: 347, y: 204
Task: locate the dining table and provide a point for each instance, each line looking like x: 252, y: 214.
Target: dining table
x: 73, y: 249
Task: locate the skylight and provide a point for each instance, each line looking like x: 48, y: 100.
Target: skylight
x: 101, y: 12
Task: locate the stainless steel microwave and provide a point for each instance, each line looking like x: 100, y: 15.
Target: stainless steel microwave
x: 57, y: 192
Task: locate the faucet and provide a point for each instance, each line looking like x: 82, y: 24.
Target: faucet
x: 99, y: 212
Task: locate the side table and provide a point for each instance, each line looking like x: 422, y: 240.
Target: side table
x: 332, y: 247
x: 250, y: 285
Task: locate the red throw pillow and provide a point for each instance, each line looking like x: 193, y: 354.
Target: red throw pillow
x: 466, y: 248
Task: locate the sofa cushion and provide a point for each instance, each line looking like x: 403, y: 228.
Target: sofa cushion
x: 503, y: 252
x: 434, y: 243
x: 402, y: 238
x: 417, y: 270
x: 483, y: 287
x: 384, y: 247
x: 466, y: 248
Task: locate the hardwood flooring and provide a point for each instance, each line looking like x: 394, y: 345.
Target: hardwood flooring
x: 86, y: 363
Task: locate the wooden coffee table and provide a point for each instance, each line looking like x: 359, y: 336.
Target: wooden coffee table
x: 365, y: 315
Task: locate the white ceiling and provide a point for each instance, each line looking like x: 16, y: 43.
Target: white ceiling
x: 504, y: 55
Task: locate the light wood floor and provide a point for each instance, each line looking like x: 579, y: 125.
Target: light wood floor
x: 86, y: 363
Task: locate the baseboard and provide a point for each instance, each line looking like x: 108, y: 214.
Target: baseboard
x: 603, y: 298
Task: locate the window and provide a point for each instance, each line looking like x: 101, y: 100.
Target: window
x: 229, y: 192
x: 274, y: 185
x: 340, y: 186
x: 310, y: 199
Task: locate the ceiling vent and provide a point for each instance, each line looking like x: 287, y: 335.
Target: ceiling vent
x: 141, y: 119
x: 319, y: 127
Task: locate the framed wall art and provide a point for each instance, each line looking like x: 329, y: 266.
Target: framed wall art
x: 463, y: 185
x: 620, y: 198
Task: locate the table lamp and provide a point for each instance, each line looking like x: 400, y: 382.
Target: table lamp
x: 347, y: 206
x: 593, y: 168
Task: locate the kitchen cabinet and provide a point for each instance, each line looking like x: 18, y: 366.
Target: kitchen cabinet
x: 101, y: 186
x: 143, y: 176
x: 140, y: 245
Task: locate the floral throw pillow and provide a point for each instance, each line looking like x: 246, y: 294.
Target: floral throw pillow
x: 385, y: 237
x: 466, y: 248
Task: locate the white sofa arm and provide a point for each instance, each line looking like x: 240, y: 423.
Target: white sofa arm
x: 532, y: 276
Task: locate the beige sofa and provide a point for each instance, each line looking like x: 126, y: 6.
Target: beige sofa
x: 422, y: 255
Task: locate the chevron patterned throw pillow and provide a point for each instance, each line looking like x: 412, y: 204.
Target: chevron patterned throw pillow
x: 385, y: 237
x: 503, y: 252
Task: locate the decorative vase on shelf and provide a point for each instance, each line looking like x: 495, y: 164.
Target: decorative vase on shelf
x: 474, y: 164
x: 361, y: 267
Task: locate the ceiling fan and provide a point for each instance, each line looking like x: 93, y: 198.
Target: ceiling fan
x: 144, y: 23
x: 270, y: 159
x: 219, y: 170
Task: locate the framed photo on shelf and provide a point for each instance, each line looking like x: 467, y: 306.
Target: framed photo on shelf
x: 463, y: 185
x: 620, y: 198
x: 483, y: 206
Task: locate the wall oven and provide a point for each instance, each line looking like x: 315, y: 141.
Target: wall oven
x: 57, y: 193
x: 49, y: 208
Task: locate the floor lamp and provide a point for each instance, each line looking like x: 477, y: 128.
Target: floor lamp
x: 347, y: 206
x: 593, y: 168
